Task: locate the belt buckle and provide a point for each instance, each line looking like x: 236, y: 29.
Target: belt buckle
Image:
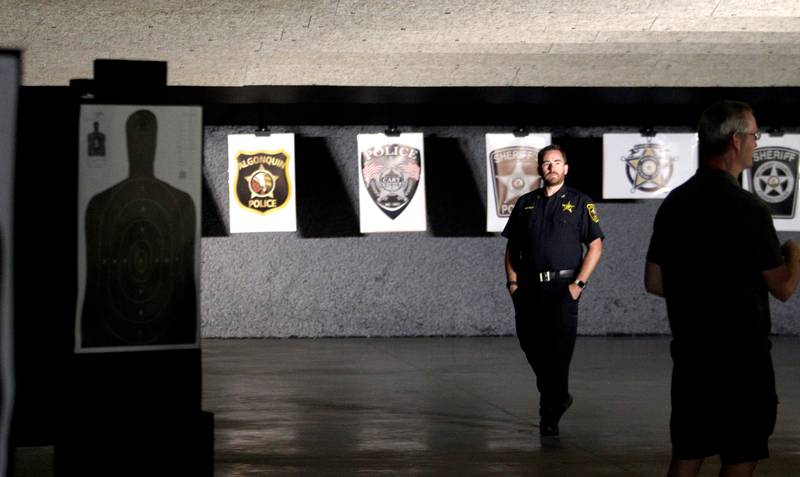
x: 544, y: 276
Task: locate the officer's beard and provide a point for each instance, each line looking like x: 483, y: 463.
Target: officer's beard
x: 557, y: 181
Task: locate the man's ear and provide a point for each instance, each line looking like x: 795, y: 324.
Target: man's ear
x: 566, y: 169
x: 736, y: 141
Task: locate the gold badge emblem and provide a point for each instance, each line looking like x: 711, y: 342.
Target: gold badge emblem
x: 568, y: 207
x: 262, y: 183
x: 593, y: 213
x: 649, y: 166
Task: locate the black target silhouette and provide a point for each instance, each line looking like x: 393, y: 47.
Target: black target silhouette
x: 140, y: 237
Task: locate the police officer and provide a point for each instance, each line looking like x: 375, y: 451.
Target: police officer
x: 547, y: 272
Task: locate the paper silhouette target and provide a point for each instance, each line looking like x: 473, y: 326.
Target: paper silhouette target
x: 140, y: 239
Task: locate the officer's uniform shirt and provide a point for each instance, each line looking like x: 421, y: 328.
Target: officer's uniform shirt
x: 546, y: 233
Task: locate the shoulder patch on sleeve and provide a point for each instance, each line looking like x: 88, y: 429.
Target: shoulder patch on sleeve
x: 593, y: 212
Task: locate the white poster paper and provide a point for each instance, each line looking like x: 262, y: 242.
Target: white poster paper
x: 391, y: 185
x: 511, y: 171
x: 773, y: 178
x: 641, y: 167
x: 9, y: 87
x: 139, y: 180
x: 262, y: 183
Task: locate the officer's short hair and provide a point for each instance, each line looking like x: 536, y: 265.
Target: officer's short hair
x: 551, y: 147
x: 718, y: 123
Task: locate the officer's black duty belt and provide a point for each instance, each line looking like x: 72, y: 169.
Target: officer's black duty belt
x: 550, y: 275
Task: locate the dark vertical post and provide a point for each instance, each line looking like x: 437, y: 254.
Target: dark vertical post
x: 136, y: 412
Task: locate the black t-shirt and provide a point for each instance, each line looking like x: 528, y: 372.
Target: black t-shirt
x: 546, y: 233
x: 712, y: 240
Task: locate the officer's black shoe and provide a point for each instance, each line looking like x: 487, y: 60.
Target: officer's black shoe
x: 563, y: 407
x: 548, y: 426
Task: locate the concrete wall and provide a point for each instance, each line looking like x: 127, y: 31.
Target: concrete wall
x: 328, y: 280
x: 422, y: 43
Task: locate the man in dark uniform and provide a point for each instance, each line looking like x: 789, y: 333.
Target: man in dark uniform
x: 714, y: 255
x: 546, y: 271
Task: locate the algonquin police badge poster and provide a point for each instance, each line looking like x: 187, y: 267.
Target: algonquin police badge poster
x: 138, y: 228
x: 391, y: 185
x: 773, y: 178
x: 262, y: 183
x: 647, y: 167
x: 511, y: 172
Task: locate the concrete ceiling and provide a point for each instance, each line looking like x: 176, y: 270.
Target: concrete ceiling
x: 415, y: 43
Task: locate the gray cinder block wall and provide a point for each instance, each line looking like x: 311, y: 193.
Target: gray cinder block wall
x: 327, y: 280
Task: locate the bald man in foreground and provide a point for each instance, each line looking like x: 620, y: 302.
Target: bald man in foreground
x: 714, y: 256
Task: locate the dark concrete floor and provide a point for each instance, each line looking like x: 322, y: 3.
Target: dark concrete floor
x: 447, y: 406
x: 453, y: 406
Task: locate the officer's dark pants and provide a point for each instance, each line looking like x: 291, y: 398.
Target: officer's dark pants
x: 547, y: 321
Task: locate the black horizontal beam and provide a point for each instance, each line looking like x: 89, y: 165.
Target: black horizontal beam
x: 479, y: 96
x: 503, y: 106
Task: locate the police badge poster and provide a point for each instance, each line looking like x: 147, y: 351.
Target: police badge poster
x: 511, y: 171
x: 262, y: 183
x: 773, y: 178
x: 391, y: 185
x: 139, y: 182
x: 647, y: 167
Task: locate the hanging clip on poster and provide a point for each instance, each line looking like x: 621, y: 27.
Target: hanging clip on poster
x: 263, y: 130
x: 775, y: 132
x: 521, y: 131
x: 392, y: 131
